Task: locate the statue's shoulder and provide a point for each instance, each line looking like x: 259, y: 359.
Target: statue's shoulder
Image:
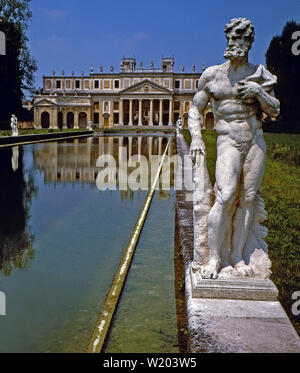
x: 263, y: 77
x: 211, y: 72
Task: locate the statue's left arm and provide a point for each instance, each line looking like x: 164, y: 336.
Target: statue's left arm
x: 268, y: 102
x: 261, y: 85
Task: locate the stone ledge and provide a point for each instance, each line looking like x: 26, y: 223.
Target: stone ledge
x: 252, y: 289
x: 238, y: 326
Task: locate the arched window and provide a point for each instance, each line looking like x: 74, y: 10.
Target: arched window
x: 60, y: 119
x: 70, y: 120
x: 45, y: 119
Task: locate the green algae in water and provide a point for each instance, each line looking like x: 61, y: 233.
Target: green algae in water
x: 145, y: 320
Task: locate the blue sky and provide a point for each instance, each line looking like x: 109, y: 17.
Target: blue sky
x: 71, y: 35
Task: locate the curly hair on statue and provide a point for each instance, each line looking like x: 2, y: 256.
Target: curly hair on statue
x: 241, y: 26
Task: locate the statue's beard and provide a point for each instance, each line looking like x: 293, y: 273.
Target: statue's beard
x: 235, y: 52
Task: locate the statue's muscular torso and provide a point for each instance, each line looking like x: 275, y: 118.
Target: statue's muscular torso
x: 234, y: 117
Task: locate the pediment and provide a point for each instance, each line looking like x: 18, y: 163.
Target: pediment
x: 146, y: 86
x: 44, y: 102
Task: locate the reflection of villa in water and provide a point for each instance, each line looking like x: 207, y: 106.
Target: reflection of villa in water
x: 134, y: 96
x: 74, y: 161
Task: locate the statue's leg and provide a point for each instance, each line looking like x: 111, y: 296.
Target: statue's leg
x: 252, y: 174
x: 228, y: 170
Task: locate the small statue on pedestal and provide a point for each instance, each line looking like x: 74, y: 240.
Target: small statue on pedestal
x: 14, y: 125
x: 90, y: 125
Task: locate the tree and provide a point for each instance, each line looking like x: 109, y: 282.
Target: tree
x: 17, y: 66
x: 283, y: 62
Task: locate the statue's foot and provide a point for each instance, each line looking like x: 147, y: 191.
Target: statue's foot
x: 243, y: 269
x: 196, y: 266
x: 210, y: 270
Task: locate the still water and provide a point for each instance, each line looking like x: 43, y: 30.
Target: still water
x: 62, y: 235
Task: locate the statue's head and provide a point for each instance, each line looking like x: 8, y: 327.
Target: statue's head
x: 239, y: 33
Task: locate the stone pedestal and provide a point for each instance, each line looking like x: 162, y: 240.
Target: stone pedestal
x: 247, y: 289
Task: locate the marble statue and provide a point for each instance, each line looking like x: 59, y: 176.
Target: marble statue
x: 179, y: 125
x: 228, y: 235
x: 90, y: 125
x: 14, y: 125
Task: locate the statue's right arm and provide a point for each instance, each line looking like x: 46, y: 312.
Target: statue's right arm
x: 196, y: 115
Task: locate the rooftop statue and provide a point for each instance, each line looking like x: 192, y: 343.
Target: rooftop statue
x: 232, y: 239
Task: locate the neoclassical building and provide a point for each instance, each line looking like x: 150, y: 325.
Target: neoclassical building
x: 134, y: 96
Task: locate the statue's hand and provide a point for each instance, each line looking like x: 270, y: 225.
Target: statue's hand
x: 197, y: 147
x: 247, y: 89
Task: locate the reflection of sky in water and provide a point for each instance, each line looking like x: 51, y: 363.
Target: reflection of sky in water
x: 78, y: 233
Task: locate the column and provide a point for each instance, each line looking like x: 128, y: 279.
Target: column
x: 37, y: 118
x: 160, y: 123
x: 111, y: 114
x: 151, y: 113
x: 100, y: 113
x: 140, y: 123
x: 121, y: 112
x: 64, y: 118
x: 76, y: 119
x: 170, y: 112
x: 181, y: 109
x: 130, y: 113
x: 53, y: 119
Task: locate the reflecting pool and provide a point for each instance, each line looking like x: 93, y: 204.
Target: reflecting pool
x: 62, y: 235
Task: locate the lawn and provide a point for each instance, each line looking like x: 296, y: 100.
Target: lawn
x: 281, y: 193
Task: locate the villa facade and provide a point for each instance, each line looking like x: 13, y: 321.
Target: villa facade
x: 134, y: 96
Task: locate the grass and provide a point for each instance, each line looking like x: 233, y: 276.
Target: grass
x: 281, y: 193
x: 33, y: 131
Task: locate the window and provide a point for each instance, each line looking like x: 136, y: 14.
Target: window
x: 176, y: 105
x: 177, y: 84
x: 116, y: 106
x: 117, y: 83
x: 116, y: 118
x: 96, y: 84
x: 58, y: 84
x: 96, y: 118
x: 196, y: 84
x: 77, y: 84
